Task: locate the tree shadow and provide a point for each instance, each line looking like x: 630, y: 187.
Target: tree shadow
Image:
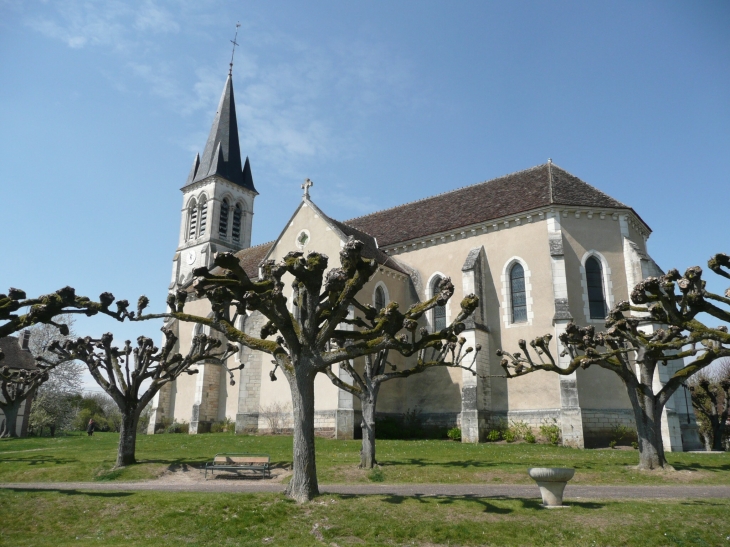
x: 72, y: 492
x: 696, y: 466
x: 39, y: 460
x: 420, y: 462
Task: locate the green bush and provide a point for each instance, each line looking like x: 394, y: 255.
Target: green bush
x: 494, y: 435
x: 635, y: 445
x: 509, y: 436
x: 612, y: 444
x: 178, y: 427
x: 376, y: 475
x: 530, y: 437
x: 226, y: 426
x: 622, y: 435
x: 551, y: 431
x: 454, y: 433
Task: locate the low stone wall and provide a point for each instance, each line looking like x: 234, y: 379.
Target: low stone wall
x: 599, y: 425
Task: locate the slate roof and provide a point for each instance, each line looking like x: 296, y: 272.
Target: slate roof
x: 222, y: 154
x: 526, y: 190
x: 15, y: 357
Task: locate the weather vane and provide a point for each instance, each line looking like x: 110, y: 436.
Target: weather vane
x: 230, y: 66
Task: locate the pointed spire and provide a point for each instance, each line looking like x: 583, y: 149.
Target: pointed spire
x: 193, y: 170
x: 247, y: 176
x: 222, y: 154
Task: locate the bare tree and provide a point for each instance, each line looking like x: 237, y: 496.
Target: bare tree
x: 672, y: 301
x: 366, y: 386
x: 122, y: 372
x: 314, y: 340
x: 711, y: 401
x: 16, y: 385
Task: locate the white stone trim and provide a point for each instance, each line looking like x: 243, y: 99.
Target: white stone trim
x: 606, y: 280
x: 430, y: 294
x: 300, y: 245
x: 385, y: 292
x: 507, y: 294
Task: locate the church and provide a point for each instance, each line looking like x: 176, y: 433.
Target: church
x: 540, y: 247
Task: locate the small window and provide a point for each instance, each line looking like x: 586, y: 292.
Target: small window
x: 594, y: 280
x: 203, y: 216
x: 223, y: 224
x: 517, y: 291
x: 236, y: 229
x: 439, y: 312
x: 193, y: 221
x: 379, y: 298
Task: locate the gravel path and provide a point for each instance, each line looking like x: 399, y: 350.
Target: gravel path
x: 479, y: 490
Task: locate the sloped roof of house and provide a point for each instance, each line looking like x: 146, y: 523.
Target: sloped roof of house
x: 15, y: 357
x: 526, y: 190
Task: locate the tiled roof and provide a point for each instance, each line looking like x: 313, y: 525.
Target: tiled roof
x: 15, y: 357
x: 508, y: 195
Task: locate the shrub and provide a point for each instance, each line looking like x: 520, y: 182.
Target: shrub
x: 178, y: 427
x: 494, y: 435
x: 530, y: 437
x: 520, y: 429
x: 509, y: 436
x: 551, y: 431
x: 635, y: 445
x: 622, y: 435
x: 225, y: 426
x: 454, y: 433
x: 612, y: 444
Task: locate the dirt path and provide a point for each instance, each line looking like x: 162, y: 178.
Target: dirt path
x: 231, y: 485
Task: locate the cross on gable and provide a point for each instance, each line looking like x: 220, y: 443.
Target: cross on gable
x: 306, y: 186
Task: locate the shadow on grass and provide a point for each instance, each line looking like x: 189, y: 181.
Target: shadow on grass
x: 72, y: 492
x: 483, y: 501
x: 696, y: 466
x: 420, y: 462
x: 39, y: 460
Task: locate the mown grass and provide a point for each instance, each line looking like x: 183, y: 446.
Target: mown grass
x: 161, y: 519
x: 82, y: 458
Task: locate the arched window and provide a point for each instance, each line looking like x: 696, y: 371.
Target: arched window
x: 203, y: 215
x: 223, y: 224
x: 379, y: 298
x: 517, y: 291
x: 439, y: 312
x: 193, y: 220
x: 594, y: 280
x: 236, y: 229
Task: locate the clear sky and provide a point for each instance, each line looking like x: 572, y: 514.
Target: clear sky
x: 103, y: 105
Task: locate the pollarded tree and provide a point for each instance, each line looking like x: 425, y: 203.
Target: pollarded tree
x: 121, y: 373
x: 16, y: 385
x: 308, y: 344
x: 711, y: 401
x: 45, y: 308
x: 366, y: 386
x: 667, y: 308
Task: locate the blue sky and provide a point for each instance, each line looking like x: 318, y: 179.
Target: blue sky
x: 104, y: 104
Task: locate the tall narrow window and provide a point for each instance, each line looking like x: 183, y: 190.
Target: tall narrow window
x: 203, y: 215
x: 517, y: 291
x: 223, y: 224
x: 379, y: 298
x: 236, y: 229
x: 439, y: 312
x: 193, y: 221
x: 594, y: 280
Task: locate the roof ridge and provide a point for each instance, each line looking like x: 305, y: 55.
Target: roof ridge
x: 445, y: 193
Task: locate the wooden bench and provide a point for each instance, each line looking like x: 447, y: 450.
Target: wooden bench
x: 240, y: 462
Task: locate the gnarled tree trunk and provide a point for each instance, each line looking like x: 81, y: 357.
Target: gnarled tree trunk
x: 303, y: 486
x: 127, y: 438
x: 11, y: 420
x: 648, y: 417
x: 367, y: 454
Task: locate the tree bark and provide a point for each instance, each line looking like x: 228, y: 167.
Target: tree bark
x: 303, y: 486
x: 718, y: 429
x: 648, y: 417
x: 11, y: 420
x: 367, y: 454
x: 127, y: 438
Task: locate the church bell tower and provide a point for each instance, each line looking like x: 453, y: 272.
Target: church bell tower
x: 218, y: 197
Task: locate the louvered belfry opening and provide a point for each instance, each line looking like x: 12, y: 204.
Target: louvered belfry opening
x: 203, y: 215
x: 193, y: 224
x: 517, y: 290
x: 236, y: 229
x: 223, y: 223
x: 594, y: 280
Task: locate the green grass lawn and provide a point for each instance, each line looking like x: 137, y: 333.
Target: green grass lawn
x: 161, y: 519
x: 82, y: 458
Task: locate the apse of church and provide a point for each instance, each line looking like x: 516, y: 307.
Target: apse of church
x: 540, y: 247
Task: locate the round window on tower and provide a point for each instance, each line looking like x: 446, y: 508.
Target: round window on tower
x: 302, y: 239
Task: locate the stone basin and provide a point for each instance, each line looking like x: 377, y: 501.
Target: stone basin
x: 552, y: 481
